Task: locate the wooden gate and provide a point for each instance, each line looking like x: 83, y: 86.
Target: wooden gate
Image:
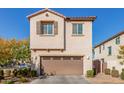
x: 104, y: 66
x: 97, y: 66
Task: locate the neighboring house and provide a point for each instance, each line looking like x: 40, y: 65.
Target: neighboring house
x: 61, y: 45
x: 106, y: 52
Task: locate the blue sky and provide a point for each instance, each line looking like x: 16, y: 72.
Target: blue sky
x: 14, y: 24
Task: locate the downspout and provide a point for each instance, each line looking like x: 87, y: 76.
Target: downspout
x: 64, y: 35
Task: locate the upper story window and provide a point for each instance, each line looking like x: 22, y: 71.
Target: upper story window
x: 77, y: 29
x: 103, y: 47
x: 117, y: 40
x: 109, y: 51
x: 47, y: 28
x: 99, y: 49
x: 93, y: 53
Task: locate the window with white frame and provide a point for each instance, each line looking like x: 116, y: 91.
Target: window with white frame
x: 103, y: 47
x: 77, y: 29
x: 93, y: 53
x: 117, y: 40
x: 100, y: 50
x: 47, y: 28
x: 109, y: 50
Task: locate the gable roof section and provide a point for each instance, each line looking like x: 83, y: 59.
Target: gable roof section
x: 118, y: 34
x: 86, y: 18
x: 43, y: 11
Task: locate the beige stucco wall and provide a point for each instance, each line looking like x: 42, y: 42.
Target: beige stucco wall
x: 112, y: 61
x: 74, y: 45
x: 46, y: 42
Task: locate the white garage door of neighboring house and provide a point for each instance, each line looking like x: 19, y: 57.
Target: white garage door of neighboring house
x: 63, y: 65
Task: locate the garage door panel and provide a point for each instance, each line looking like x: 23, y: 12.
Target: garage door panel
x: 63, y: 67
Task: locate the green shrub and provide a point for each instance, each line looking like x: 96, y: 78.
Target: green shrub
x: 90, y: 73
x: 122, y: 69
x: 23, y: 72
x: 115, y: 73
x: 19, y: 72
x: 15, y: 71
x: 8, y: 82
x: 122, y: 74
x: 7, y: 73
x: 107, y: 71
x: 94, y: 69
x: 23, y: 79
x: 33, y: 73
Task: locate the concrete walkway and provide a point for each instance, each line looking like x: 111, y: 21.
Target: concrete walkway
x: 61, y: 80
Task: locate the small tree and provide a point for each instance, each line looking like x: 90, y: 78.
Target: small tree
x: 12, y: 51
x: 5, y: 52
x: 20, y: 50
x: 121, y: 55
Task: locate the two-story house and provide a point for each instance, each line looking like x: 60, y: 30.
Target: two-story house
x: 61, y: 45
x: 107, y: 52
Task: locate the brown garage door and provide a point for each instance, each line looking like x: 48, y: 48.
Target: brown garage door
x: 62, y: 65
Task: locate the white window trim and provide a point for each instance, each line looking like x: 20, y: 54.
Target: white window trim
x: 110, y: 50
x: 117, y: 41
x: 76, y: 34
x: 46, y: 34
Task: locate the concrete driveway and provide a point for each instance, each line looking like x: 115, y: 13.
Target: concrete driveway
x: 61, y: 80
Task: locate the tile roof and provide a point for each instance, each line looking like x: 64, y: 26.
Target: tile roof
x: 86, y: 18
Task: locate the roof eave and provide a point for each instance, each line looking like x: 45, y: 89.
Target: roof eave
x: 45, y: 10
x: 120, y: 33
x: 89, y: 18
